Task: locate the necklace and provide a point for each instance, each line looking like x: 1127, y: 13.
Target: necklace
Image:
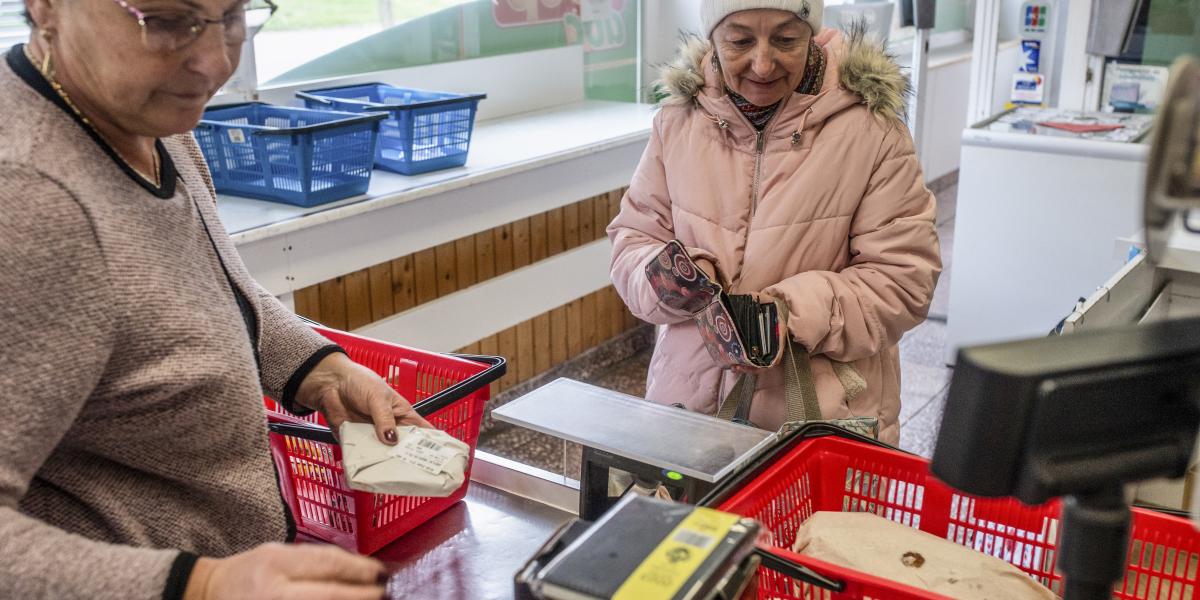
x: 58, y: 89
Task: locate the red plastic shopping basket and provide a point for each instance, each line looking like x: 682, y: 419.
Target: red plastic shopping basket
x: 836, y: 472
x: 448, y: 390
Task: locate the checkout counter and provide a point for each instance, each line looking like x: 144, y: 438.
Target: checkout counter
x: 473, y: 549
x: 1038, y: 211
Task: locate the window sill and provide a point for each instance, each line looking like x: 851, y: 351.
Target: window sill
x: 499, y: 148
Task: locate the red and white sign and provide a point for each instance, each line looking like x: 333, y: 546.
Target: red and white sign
x: 517, y: 13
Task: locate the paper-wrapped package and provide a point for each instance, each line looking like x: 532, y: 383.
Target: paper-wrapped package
x: 872, y: 544
x: 425, y: 462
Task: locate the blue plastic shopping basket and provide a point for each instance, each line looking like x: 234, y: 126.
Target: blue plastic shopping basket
x: 285, y: 154
x: 425, y: 131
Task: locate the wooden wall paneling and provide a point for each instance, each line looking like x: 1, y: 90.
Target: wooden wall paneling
x: 522, y: 251
x: 600, y: 316
x: 506, y: 342
x: 447, y: 265
x: 404, y: 283
x: 617, y: 311
x: 604, y: 330
x: 488, y: 346
x: 465, y: 261
x: 541, y: 343
x: 571, y: 226
x: 525, y: 354
x: 614, y: 204
x: 539, y: 246
x: 600, y: 210
x: 333, y: 303
x: 358, y: 299
x: 574, y: 328
x: 631, y: 322
x: 485, y: 255
x: 587, y: 321
x: 308, y: 302
x: 587, y: 220
x: 382, y: 302
x: 555, y: 242
x: 558, y: 336
x: 504, y: 248
x: 425, y: 272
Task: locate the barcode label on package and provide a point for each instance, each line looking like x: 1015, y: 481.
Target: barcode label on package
x: 423, y: 453
x: 693, y: 538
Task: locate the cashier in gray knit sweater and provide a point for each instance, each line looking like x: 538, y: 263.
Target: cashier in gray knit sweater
x: 134, y: 460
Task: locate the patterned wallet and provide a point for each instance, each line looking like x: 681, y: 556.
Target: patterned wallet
x: 736, y: 329
x: 679, y: 283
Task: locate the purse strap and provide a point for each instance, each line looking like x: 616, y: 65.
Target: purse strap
x: 799, y: 386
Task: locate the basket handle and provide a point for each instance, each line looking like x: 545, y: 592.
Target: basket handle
x: 797, y: 571
x: 426, y: 407
x: 498, y: 366
x: 314, y: 433
x: 743, y: 476
x: 314, y: 98
x: 466, y: 387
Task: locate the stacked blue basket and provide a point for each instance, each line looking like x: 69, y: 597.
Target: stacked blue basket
x: 292, y: 155
x: 425, y: 131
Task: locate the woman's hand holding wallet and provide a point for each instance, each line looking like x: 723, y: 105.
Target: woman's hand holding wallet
x: 738, y: 331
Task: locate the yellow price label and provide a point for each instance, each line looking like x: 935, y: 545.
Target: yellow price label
x: 664, y: 571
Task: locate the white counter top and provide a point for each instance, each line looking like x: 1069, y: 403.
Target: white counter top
x: 498, y: 148
x: 940, y: 56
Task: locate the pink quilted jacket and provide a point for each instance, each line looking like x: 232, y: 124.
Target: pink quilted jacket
x: 827, y: 209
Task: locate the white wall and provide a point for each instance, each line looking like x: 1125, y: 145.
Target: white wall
x: 948, y: 89
x: 662, y: 23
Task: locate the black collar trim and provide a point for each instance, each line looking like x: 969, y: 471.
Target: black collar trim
x: 24, y: 69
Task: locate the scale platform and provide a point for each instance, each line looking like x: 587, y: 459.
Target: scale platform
x: 629, y: 433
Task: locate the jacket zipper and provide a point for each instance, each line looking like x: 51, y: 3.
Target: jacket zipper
x: 760, y: 143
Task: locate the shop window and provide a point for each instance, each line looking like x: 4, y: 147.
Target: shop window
x: 452, y: 30
x: 304, y: 30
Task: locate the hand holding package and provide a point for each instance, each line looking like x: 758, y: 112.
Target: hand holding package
x: 425, y: 462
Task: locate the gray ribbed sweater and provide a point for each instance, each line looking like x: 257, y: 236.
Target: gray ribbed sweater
x: 133, y: 424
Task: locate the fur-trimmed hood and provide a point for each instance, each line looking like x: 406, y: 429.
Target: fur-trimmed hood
x: 855, y: 64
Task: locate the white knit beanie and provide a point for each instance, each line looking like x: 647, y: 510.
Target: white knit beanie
x: 712, y: 12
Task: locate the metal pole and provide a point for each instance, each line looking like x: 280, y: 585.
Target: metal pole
x: 923, y: 19
x: 920, y: 72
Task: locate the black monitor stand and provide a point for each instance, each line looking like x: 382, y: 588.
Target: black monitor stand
x: 1077, y: 417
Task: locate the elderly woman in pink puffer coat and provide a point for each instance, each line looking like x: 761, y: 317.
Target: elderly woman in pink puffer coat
x: 781, y: 161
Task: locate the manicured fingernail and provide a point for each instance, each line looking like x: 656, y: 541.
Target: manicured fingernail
x: 390, y: 436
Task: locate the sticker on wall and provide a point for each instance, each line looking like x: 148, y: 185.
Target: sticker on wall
x: 1035, y: 19
x: 600, y: 25
x: 1133, y: 88
x: 1028, y: 88
x: 519, y: 13
x: 1033, y: 56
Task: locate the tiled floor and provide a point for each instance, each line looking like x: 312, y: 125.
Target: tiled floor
x: 924, y: 375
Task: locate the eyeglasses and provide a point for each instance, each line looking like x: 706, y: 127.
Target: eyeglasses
x: 174, y: 31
